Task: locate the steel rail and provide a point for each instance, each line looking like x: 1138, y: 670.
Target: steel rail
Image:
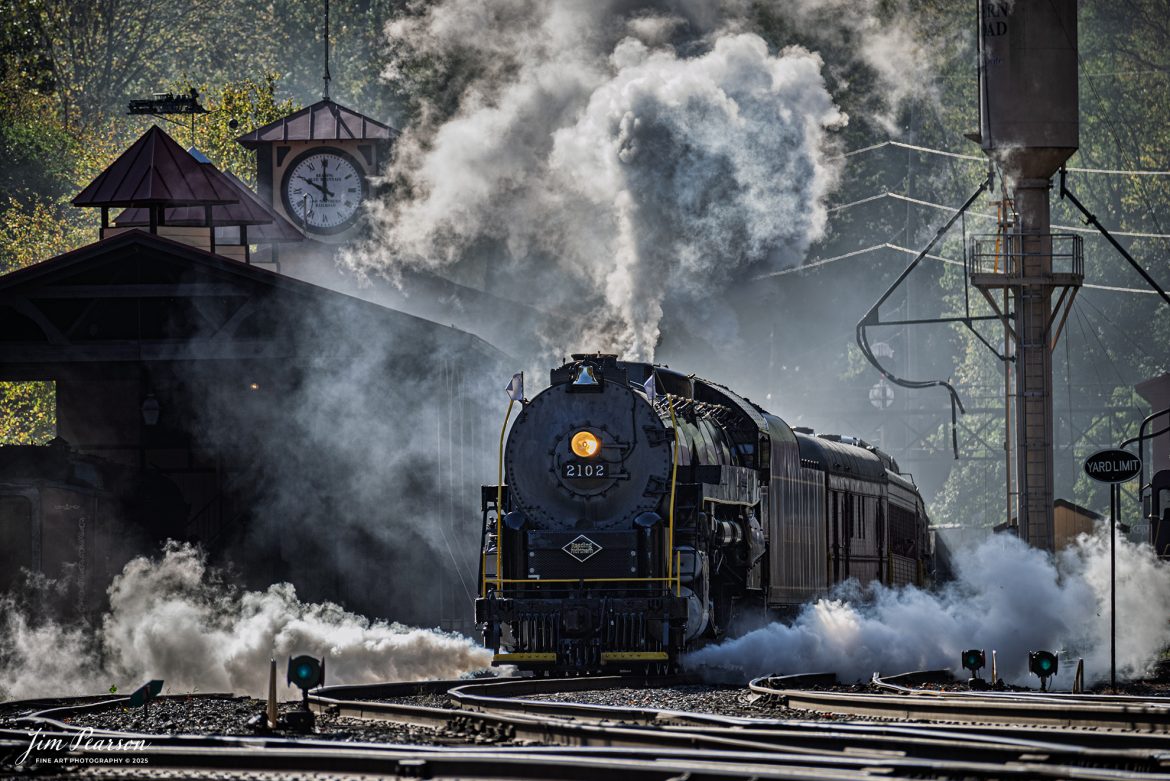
x: 1022, y: 696
x: 1018, y: 709
x: 418, y: 762
x: 783, y: 748
x: 607, y: 724
x: 317, y: 757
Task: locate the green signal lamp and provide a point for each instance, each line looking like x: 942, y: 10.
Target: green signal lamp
x: 1043, y: 664
x: 305, y: 673
x: 974, y: 660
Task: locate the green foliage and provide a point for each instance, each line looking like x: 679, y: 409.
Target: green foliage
x: 102, y: 53
x: 28, y: 413
x: 36, y: 151
x: 35, y: 230
x: 250, y: 104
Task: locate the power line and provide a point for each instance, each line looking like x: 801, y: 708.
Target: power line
x: 949, y: 261
x: 1104, y: 351
x: 981, y: 215
x: 843, y: 206
x: 978, y: 159
x: 820, y: 262
x: 1072, y: 228
x: 1079, y: 318
x: 1123, y: 331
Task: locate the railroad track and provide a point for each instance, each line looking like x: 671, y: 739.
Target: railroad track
x: 900, y: 700
x: 577, y: 740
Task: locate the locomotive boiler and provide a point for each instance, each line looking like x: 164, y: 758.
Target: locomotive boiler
x: 643, y: 511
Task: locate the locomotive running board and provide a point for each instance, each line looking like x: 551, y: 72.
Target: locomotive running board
x: 609, y: 657
x: 547, y: 658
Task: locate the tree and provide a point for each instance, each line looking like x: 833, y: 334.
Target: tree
x: 234, y: 108
x: 43, y: 164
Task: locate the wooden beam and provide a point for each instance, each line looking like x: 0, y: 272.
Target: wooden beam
x: 130, y: 290
x: 228, y: 329
x: 146, y: 351
x: 51, y: 332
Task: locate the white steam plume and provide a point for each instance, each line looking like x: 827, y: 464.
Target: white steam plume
x: 1007, y: 596
x: 175, y: 619
x: 613, y: 161
x: 893, y: 49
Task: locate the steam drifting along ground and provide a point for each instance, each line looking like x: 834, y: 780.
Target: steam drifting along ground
x: 1007, y: 596
x: 614, y: 161
x: 173, y: 618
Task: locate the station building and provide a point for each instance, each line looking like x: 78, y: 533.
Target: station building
x: 206, y: 393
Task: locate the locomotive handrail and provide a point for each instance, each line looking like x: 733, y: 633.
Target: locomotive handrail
x: 500, y: 498
x: 670, y: 569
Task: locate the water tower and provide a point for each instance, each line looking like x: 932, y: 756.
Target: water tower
x: 1029, y: 126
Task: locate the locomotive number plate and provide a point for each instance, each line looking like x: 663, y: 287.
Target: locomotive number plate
x: 585, y: 469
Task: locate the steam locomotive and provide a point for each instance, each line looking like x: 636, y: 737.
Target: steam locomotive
x: 644, y: 511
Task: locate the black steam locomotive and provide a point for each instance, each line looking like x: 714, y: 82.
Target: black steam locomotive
x: 645, y: 510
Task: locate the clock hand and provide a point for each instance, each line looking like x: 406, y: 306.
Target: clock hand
x: 325, y: 182
x: 310, y: 181
x: 325, y: 191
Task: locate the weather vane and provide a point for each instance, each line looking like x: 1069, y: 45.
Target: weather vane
x: 161, y: 104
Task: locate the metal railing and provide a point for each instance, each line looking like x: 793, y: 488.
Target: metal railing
x: 1005, y: 254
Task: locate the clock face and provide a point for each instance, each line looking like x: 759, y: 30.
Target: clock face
x: 323, y: 190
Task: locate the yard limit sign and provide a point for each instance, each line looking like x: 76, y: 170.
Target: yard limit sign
x: 1114, y: 467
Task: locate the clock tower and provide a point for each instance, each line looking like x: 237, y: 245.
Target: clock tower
x: 314, y: 167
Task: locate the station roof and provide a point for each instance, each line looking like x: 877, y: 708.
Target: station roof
x: 248, y: 210
x: 156, y: 171
x: 139, y: 297
x: 322, y: 121
x: 278, y: 229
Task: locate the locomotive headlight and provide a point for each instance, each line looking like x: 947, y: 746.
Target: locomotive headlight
x: 586, y: 444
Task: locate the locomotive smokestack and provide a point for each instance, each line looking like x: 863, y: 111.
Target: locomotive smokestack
x: 1029, y: 125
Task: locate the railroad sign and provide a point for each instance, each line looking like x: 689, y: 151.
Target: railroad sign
x: 1112, y: 466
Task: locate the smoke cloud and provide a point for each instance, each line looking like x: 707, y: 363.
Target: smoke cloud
x: 174, y: 618
x: 1007, y: 596
x: 614, y: 162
